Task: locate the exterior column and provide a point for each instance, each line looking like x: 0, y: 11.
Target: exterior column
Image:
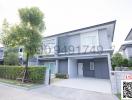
x: 109, y: 64
x: 46, y: 81
x: 112, y: 76
x: 57, y: 66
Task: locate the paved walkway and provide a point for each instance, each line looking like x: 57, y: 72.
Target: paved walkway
x: 50, y: 93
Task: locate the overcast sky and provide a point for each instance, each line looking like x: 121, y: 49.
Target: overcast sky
x: 66, y: 15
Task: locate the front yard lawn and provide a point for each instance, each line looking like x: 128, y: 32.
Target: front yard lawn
x: 19, y: 83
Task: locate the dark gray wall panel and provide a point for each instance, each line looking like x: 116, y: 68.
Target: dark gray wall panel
x: 63, y: 66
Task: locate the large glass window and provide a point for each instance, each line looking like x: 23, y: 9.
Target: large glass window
x: 89, y: 41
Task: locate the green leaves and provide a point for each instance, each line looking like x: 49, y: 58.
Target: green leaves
x: 117, y: 60
x: 32, y: 17
x: 27, y: 33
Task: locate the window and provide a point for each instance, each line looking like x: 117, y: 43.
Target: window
x: 91, y: 65
x: 89, y: 40
x: 20, y: 49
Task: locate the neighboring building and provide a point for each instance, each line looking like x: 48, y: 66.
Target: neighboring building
x: 126, y: 48
x: 83, y: 52
x: 20, y: 54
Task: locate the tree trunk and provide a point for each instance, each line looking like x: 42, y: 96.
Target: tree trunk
x: 25, y: 76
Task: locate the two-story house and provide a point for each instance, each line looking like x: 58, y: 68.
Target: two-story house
x: 84, y: 52
x: 126, y: 47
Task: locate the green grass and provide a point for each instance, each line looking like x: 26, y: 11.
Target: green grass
x: 130, y: 68
x: 119, y: 96
x: 18, y: 83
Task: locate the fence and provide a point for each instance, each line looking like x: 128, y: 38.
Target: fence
x: 116, y: 77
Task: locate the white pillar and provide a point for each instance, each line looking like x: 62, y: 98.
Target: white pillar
x: 112, y: 77
x: 109, y: 64
x: 47, y: 76
x: 57, y: 66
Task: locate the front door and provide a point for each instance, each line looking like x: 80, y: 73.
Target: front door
x: 80, y: 69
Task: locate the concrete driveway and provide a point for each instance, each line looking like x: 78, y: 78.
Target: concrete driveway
x: 90, y: 84
x: 51, y: 93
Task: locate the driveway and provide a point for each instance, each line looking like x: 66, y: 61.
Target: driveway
x: 51, y: 93
x: 90, y: 84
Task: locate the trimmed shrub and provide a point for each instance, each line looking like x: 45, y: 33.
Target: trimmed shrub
x: 60, y: 75
x: 36, y: 74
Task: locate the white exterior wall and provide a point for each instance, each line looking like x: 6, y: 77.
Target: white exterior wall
x: 56, y: 66
x: 128, y: 52
x: 116, y: 77
x: 72, y: 67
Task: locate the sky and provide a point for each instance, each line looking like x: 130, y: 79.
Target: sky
x: 66, y: 15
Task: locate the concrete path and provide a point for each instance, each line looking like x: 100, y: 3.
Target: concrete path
x: 50, y: 93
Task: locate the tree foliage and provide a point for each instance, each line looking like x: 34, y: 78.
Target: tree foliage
x: 117, y: 60
x: 27, y: 33
x: 5, y: 33
x: 11, y: 56
x: 125, y: 62
x: 130, y: 63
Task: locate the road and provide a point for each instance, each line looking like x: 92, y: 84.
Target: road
x: 50, y: 93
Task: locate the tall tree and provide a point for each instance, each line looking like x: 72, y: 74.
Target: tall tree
x: 27, y: 33
x: 5, y: 32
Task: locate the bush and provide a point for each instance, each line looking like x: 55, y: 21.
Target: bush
x: 117, y: 60
x: 125, y: 62
x: 36, y: 74
x: 60, y: 75
x: 11, y: 59
x: 130, y: 63
x: 11, y: 56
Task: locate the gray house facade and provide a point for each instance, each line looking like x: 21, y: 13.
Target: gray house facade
x: 126, y: 47
x: 84, y: 52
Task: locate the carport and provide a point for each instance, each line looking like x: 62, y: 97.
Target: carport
x: 90, y: 84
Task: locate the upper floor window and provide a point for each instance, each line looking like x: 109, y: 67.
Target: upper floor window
x: 91, y: 40
x: 88, y: 41
x: 48, y: 46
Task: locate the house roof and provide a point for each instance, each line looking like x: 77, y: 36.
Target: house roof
x: 129, y: 36
x: 125, y: 45
x: 90, y: 27
x: 127, y: 42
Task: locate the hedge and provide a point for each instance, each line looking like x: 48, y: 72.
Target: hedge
x: 36, y: 74
x: 60, y: 75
